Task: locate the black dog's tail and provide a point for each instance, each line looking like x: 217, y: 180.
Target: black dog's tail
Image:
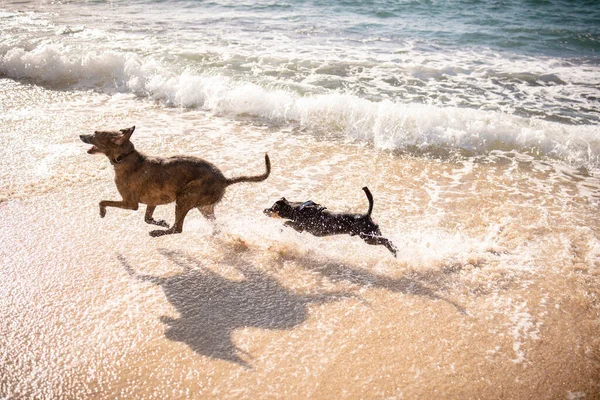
x: 257, y: 178
x: 370, y: 198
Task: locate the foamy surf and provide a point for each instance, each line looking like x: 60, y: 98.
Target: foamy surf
x: 387, y: 124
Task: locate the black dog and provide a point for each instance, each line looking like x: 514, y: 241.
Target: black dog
x: 315, y: 219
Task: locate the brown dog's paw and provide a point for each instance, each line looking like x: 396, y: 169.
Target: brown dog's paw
x: 160, y: 222
x: 102, y: 212
x: 158, y: 232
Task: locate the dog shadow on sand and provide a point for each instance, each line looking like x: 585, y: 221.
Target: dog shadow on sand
x: 426, y: 284
x: 211, y: 307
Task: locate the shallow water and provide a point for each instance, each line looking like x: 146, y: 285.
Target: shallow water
x: 481, y: 152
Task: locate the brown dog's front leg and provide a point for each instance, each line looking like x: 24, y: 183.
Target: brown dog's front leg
x: 120, y: 204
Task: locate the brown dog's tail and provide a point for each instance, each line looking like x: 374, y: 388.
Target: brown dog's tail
x: 257, y: 178
x: 370, y: 198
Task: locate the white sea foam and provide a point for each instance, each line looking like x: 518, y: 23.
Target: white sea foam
x: 388, y: 124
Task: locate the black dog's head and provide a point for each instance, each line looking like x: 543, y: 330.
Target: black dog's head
x: 280, y: 209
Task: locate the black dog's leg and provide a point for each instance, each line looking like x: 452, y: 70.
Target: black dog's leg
x: 379, y: 240
x: 390, y: 246
x: 295, y: 225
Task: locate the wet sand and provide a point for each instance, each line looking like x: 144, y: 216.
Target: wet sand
x: 97, y: 309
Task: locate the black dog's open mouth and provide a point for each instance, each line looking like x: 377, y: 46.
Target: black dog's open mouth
x: 270, y: 213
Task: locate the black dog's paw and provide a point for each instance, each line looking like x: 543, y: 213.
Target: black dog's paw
x: 393, y: 249
x: 390, y: 246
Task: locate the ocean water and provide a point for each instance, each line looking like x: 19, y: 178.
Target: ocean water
x: 475, y: 123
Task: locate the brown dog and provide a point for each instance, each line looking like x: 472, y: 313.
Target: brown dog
x: 188, y: 181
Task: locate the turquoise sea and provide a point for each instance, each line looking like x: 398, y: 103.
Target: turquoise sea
x: 275, y: 60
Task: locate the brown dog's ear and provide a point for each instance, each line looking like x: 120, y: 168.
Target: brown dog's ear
x: 126, y: 135
x: 128, y: 131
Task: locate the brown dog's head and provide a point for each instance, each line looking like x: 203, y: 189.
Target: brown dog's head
x: 114, y: 144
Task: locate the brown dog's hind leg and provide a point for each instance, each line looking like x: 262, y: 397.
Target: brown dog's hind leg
x: 209, y: 214
x: 183, y: 205
x: 177, y: 227
x: 150, y: 220
x: 195, y: 194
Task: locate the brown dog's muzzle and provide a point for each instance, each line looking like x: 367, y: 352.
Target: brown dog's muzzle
x: 88, y: 139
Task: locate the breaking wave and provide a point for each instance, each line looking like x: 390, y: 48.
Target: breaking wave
x: 387, y: 124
